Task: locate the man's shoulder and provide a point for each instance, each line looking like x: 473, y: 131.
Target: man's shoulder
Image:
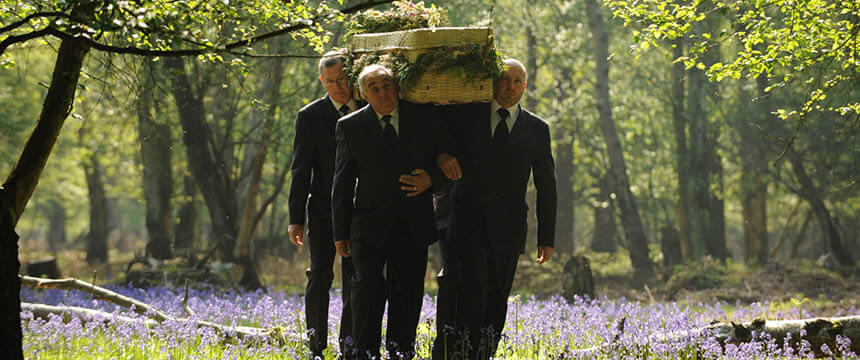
x: 316, y: 105
x: 354, y: 116
x: 529, y: 116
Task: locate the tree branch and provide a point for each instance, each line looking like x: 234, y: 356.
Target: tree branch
x: 10, y: 40
x: 302, y: 24
x: 32, y: 16
x: 265, y: 205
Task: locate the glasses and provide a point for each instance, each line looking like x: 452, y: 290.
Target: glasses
x: 338, y: 81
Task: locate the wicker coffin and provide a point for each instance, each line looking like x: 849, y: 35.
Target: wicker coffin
x: 432, y: 87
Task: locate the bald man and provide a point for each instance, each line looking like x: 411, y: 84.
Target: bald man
x: 386, y: 168
x: 500, y: 145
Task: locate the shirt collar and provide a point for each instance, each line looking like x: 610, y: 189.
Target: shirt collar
x: 395, y: 115
x: 513, y: 111
x: 352, y: 105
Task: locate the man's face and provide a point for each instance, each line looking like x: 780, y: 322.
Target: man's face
x: 336, y: 83
x: 510, y: 87
x: 381, y: 92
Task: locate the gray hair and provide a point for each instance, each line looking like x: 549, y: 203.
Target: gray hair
x: 373, y: 69
x: 330, y: 59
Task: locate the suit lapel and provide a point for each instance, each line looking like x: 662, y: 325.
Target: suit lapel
x: 329, y: 111
x: 373, y: 130
x: 404, y: 129
x: 520, y: 125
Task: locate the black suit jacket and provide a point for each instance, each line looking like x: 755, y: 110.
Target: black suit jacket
x: 366, y: 197
x: 495, y: 181
x: 313, y: 162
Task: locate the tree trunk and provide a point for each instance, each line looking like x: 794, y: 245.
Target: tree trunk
x: 532, y: 66
x: 682, y: 160
x: 270, y: 92
x: 630, y: 219
x: 753, y: 184
x: 10, y: 286
x: 531, y: 103
x: 247, y: 226
x: 57, y: 226
x: 754, y: 223
x: 717, y: 246
x: 783, y: 234
x: 209, y: 171
x: 97, y: 238
x: 700, y: 185
x: 19, y: 186
x: 564, y: 168
x: 188, y: 229
x: 670, y: 245
x: 605, y: 227
x: 825, y: 220
x: 563, y: 136
x: 155, y: 155
x: 800, y: 233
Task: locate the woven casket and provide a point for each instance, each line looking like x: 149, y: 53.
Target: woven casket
x: 438, y: 87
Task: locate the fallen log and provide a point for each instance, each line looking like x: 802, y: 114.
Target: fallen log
x: 97, y: 292
x: 43, y: 311
x: 815, y: 331
x: 154, y: 316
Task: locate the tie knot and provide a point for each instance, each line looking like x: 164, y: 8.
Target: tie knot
x: 386, y: 119
x: 344, y: 109
x: 503, y: 113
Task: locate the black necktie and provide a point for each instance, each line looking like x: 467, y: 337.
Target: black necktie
x: 500, y: 135
x: 344, y: 109
x: 389, y: 131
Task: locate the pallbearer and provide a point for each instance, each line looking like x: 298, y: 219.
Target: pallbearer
x: 500, y: 145
x: 310, y: 188
x: 383, y: 210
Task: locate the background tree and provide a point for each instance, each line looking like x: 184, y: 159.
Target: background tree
x: 156, y: 142
x: 631, y: 221
x: 791, y: 45
x: 108, y: 26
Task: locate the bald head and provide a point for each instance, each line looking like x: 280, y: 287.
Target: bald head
x: 512, y: 83
x: 514, y: 63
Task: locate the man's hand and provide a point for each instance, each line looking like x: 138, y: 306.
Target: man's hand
x: 416, y: 183
x: 450, y: 166
x: 297, y: 233
x: 344, y: 248
x: 543, y: 253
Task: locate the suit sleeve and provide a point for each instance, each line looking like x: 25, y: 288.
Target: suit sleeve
x: 439, y: 117
x: 543, y: 169
x: 303, y: 156
x: 343, y: 188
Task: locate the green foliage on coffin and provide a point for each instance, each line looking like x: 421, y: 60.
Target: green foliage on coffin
x: 442, y: 65
x: 405, y: 15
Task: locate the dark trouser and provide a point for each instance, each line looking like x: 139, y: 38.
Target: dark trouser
x: 320, y: 275
x: 482, y: 293
x: 449, y: 343
x: 396, y: 269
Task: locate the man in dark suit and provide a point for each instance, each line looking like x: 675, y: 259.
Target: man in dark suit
x: 383, y: 213
x: 312, y: 173
x: 500, y: 145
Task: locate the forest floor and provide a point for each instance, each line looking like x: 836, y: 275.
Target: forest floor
x: 781, y: 283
